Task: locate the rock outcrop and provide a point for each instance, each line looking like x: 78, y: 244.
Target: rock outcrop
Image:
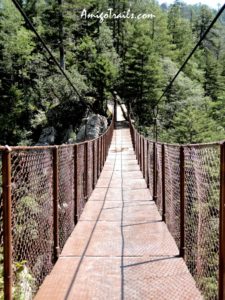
x: 91, y: 128
x: 47, y: 137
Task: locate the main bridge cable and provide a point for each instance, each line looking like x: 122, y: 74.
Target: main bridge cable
x: 20, y: 9
x: 190, y: 55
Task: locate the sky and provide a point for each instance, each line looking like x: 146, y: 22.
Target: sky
x: 211, y: 3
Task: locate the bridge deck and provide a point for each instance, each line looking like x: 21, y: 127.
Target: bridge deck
x: 120, y: 248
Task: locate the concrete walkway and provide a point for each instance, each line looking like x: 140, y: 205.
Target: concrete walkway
x: 120, y: 248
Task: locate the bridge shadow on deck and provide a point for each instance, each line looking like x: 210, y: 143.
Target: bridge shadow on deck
x: 120, y: 248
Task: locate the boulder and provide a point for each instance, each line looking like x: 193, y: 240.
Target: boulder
x: 92, y: 127
x: 47, y: 137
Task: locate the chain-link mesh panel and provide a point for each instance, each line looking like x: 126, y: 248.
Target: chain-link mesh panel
x: 90, y: 169
x: 172, y: 190
x: 33, y: 186
x: 66, y: 193
x: 159, y: 178
x: 202, y: 188
x: 80, y: 180
x: 202, y: 167
x: 32, y: 217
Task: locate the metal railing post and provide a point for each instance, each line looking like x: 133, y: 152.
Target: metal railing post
x: 56, y: 202
x: 102, y: 153
x: 7, y: 223
x: 139, y: 150
x: 154, y: 172
x: 222, y: 225
x: 86, y: 170
x: 94, y: 170
x: 135, y: 148
x: 98, y: 158
x: 147, y: 163
x: 115, y: 113
x: 100, y: 147
x: 163, y: 185
x: 75, y: 184
x: 143, y: 156
x: 104, y: 147
x: 182, y: 203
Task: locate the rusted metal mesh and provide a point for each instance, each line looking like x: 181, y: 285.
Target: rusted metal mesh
x: 32, y: 221
x: 202, y: 166
x: 159, y: 177
x: 34, y: 191
x: 202, y: 205
x: 80, y: 179
x: 172, y: 190
x: 66, y: 193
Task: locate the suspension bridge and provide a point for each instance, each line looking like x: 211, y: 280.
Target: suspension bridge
x: 119, y: 217
x: 120, y: 248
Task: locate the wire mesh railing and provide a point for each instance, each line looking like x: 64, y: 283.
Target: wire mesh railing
x: 43, y: 191
x: 187, y: 183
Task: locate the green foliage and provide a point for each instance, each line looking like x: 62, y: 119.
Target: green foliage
x: 193, y: 125
x: 24, y: 281
x: 24, y: 286
x: 136, y: 58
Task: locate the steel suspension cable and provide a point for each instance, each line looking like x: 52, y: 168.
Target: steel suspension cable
x: 20, y: 9
x: 191, y: 53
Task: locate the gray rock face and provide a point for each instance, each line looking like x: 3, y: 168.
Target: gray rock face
x: 47, y: 137
x: 92, y: 128
x: 69, y: 136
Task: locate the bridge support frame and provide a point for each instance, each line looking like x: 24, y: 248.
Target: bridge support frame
x: 56, y: 202
x: 163, y: 185
x: 182, y: 202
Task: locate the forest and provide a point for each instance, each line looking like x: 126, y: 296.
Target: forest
x: 137, y: 58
